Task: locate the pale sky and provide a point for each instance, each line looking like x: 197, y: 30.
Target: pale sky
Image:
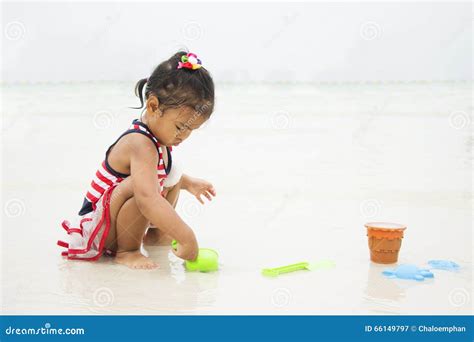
x: 56, y: 42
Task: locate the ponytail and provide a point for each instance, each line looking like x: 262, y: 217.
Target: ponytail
x: 139, y: 91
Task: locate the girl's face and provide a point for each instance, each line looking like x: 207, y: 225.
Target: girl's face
x: 173, y: 125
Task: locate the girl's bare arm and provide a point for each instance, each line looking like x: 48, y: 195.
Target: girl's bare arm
x: 146, y: 189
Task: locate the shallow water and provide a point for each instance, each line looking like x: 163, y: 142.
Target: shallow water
x: 298, y: 169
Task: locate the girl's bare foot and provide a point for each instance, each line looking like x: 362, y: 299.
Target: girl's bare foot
x: 135, y: 260
x: 154, y: 237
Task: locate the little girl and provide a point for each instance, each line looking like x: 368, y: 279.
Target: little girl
x: 138, y: 183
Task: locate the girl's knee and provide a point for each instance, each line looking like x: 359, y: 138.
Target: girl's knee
x: 120, y: 194
x: 131, y: 219
x: 123, y: 191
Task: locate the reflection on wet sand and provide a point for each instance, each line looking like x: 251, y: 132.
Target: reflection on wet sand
x: 382, y: 295
x: 108, y: 288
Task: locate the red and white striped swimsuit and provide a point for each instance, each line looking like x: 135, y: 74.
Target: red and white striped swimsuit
x: 106, y: 177
x: 89, y: 231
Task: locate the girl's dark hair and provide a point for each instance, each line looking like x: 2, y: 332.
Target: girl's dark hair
x: 178, y: 87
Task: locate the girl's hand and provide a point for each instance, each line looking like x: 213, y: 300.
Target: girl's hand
x: 186, y: 251
x: 199, y: 187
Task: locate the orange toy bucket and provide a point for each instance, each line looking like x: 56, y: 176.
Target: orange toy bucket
x: 385, y: 241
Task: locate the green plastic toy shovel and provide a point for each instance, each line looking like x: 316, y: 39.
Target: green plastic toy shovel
x: 206, y: 261
x: 274, y: 272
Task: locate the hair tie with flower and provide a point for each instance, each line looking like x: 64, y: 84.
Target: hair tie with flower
x: 189, y: 61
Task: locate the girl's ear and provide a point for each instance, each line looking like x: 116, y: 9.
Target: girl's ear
x: 153, y: 105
